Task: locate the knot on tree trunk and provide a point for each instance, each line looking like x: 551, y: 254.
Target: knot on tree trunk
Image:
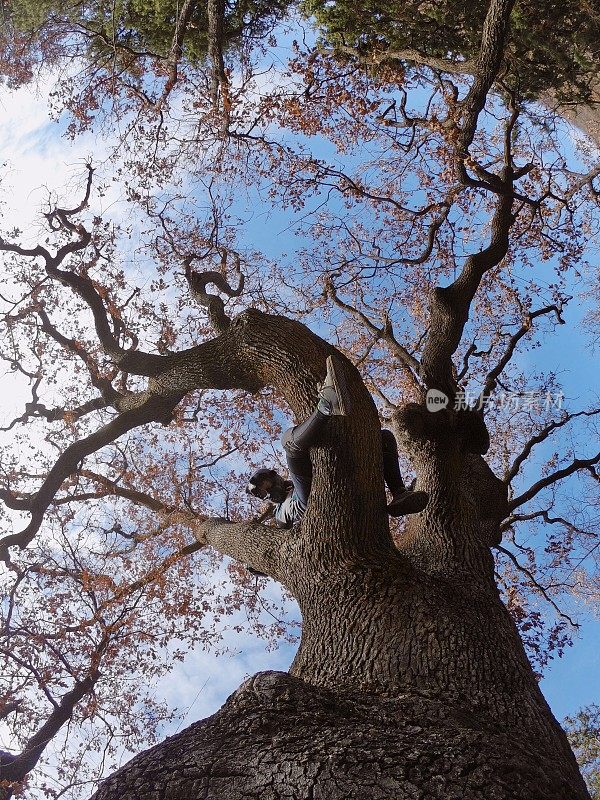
x: 490, y: 496
x: 447, y: 427
x: 415, y: 422
x: 278, y: 736
x: 472, y: 431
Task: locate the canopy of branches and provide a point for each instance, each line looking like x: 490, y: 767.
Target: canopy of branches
x: 143, y: 411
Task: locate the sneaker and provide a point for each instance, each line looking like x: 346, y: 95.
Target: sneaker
x: 334, y: 399
x: 407, y: 502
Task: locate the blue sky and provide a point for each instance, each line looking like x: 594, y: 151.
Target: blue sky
x: 37, y: 156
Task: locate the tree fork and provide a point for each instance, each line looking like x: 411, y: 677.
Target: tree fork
x: 424, y: 617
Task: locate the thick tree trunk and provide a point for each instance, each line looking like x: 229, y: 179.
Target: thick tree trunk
x: 410, y: 680
x: 279, y: 737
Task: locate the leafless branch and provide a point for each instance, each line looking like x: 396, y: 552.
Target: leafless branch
x: 576, y: 465
x: 536, y: 584
x: 541, y: 437
x: 385, y: 332
x: 472, y: 351
x: 491, y: 377
x: 545, y: 515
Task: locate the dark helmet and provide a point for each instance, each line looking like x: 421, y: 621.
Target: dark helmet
x: 259, y: 476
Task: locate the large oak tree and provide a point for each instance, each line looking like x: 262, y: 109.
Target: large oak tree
x: 411, y: 679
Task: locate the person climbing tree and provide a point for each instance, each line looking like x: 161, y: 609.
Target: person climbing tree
x: 290, y: 497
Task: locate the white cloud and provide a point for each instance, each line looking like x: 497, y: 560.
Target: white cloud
x: 37, y: 159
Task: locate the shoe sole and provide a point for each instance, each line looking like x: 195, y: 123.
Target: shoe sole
x: 412, y: 505
x: 338, y: 381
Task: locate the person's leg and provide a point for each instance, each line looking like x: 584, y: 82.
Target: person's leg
x: 404, y: 501
x: 297, y: 442
x: 334, y: 400
x: 391, y: 467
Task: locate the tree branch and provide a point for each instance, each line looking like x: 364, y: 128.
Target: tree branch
x: 541, y: 437
x: 55, y: 414
x: 385, y: 333
x: 104, y: 386
x: 491, y: 378
x: 219, y: 81
x: 258, y: 546
x: 471, y: 351
x: 425, y: 254
x: 489, y: 59
x: 22, y: 764
x: 127, y: 493
x: 136, y: 362
x: 575, y: 466
x: 198, y: 282
x: 536, y: 584
x: 150, y: 409
x: 450, y: 305
x: 545, y: 515
x: 183, y: 19
x: 466, y: 67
